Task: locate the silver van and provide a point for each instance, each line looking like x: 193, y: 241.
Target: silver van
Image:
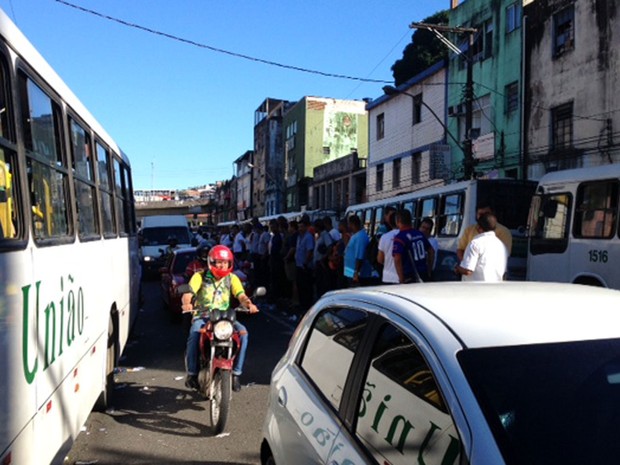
x: 155, y: 235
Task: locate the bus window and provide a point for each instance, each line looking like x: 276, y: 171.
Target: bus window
x: 123, y: 207
x: 366, y: 219
x: 47, y: 173
x: 451, y: 215
x: 105, y: 189
x: 411, y: 206
x: 549, y: 220
x: 8, y: 215
x: 9, y: 224
x: 427, y: 209
x: 129, y: 207
x: 378, y: 218
x: 596, y: 210
x: 84, y: 179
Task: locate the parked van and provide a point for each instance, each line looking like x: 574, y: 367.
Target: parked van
x: 155, y: 233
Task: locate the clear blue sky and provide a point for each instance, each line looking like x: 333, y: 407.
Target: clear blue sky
x: 182, y: 113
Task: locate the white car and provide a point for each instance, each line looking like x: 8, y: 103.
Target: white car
x: 450, y: 373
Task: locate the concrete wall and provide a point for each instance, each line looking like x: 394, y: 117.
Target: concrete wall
x: 491, y: 75
x: 586, y: 74
x: 402, y: 138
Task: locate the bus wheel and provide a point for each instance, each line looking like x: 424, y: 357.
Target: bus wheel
x: 104, y: 401
x: 587, y: 281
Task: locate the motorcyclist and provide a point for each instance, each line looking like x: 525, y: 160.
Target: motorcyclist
x: 173, y: 244
x: 213, y: 290
x: 201, y: 262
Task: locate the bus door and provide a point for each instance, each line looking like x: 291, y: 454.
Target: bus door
x: 549, y: 245
x: 595, y: 243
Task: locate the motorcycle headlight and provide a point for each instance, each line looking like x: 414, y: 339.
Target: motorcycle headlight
x: 223, y: 330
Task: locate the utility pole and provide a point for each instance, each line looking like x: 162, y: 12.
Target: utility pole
x: 468, y: 160
x: 468, y: 156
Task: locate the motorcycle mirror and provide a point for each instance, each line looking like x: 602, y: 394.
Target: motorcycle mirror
x: 261, y: 291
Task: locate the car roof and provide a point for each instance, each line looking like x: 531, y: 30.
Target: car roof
x: 508, y: 313
x: 184, y: 250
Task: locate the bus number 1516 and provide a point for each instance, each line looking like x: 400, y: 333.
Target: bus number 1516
x: 598, y: 256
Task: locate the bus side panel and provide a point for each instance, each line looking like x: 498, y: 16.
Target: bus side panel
x: 592, y: 261
x: 72, y: 304
x: 550, y: 267
x: 18, y: 349
x: 135, y: 273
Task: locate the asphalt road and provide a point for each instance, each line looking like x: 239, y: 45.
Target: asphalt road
x: 155, y: 419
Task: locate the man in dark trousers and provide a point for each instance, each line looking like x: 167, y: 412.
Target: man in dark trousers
x: 413, y: 254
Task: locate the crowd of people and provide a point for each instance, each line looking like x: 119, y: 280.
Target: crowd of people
x: 298, y: 261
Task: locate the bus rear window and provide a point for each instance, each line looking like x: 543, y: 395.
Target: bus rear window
x: 549, y: 220
x: 596, y: 210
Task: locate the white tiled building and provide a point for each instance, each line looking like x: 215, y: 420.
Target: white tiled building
x: 407, y: 149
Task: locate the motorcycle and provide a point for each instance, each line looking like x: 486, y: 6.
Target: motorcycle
x: 219, y: 346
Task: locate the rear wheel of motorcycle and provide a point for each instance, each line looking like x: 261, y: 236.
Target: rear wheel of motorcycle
x: 220, y: 400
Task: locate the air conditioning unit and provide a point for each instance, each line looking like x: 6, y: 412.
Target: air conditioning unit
x: 456, y: 110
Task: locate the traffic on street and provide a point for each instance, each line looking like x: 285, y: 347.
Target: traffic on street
x: 155, y: 419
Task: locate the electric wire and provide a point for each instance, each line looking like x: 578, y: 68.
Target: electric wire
x: 220, y: 50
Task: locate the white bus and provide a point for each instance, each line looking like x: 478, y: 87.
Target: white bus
x: 573, y: 227
x: 69, y: 266
x: 452, y: 207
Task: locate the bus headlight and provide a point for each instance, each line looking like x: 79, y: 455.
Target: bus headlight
x: 223, y: 330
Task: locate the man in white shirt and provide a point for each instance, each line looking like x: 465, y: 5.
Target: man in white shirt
x: 386, y: 245
x: 486, y: 256
x: 240, y: 241
x: 333, y: 232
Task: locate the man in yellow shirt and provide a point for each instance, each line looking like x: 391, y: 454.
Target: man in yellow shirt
x: 213, y: 289
x: 501, y: 231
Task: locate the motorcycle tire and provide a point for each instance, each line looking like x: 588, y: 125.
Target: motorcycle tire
x: 219, y: 404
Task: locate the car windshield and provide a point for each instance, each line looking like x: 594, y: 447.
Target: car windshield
x: 160, y: 236
x: 550, y: 403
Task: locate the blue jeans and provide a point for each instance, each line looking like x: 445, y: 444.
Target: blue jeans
x: 193, y: 347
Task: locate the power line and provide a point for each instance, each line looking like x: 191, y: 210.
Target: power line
x: 380, y: 62
x: 220, y: 50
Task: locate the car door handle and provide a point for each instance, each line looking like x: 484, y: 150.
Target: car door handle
x: 282, y: 397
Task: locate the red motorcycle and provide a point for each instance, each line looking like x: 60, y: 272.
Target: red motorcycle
x: 219, y: 346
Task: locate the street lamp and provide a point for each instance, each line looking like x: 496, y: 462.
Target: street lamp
x: 391, y: 90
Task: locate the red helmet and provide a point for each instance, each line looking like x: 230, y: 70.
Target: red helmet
x: 220, y: 252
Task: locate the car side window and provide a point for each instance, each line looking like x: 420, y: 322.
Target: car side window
x: 402, y: 418
x: 331, y: 345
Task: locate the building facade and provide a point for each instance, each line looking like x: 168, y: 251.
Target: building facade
x: 318, y: 131
x: 408, y: 147
x: 268, y: 169
x: 244, y: 185
x: 496, y: 89
x: 225, y: 201
x: 339, y: 183
x: 573, y: 72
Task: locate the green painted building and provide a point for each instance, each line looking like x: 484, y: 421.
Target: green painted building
x: 318, y: 131
x: 497, y: 87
